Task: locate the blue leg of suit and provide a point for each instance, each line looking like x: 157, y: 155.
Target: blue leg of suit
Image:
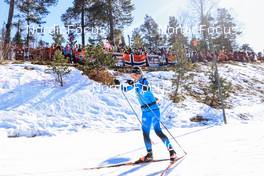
x: 148, y: 118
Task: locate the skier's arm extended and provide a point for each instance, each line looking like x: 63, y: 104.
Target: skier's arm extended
x: 129, y: 87
x: 145, y: 85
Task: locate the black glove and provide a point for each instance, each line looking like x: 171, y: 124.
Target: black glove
x: 116, y: 82
x: 130, y: 82
x: 145, y: 88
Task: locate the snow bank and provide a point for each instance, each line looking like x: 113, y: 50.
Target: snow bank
x: 31, y: 104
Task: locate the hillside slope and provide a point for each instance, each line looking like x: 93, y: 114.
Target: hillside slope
x: 32, y: 104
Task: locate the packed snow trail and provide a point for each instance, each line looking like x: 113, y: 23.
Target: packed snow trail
x: 222, y: 151
x: 172, y: 165
x: 130, y: 163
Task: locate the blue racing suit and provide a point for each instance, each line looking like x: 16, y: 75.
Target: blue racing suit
x: 150, y: 112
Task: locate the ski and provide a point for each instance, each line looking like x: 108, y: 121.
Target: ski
x: 165, y: 171
x: 126, y: 164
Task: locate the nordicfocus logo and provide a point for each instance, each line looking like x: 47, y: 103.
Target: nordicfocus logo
x: 198, y: 30
x: 161, y: 87
x: 64, y: 30
x: 183, y: 29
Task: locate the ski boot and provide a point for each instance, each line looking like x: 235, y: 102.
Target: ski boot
x: 173, y: 155
x: 146, y: 158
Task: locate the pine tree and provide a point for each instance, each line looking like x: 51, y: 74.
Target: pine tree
x: 110, y: 14
x: 57, y: 37
x: 17, y: 40
x: 226, y: 37
x: 33, y: 12
x: 2, y: 36
x: 212, y: 99
x: 202, y: 10
x: 175, y: 32
x: 246, y: 47
x: 150, y: 33
x: 181, y: 68
x: 41, y: 43
x: 8, y: 28
x: 101, y: 58
x: 78, y: 16
x: 137, y: 41
x: 59, y: 67
x: 113, y: 14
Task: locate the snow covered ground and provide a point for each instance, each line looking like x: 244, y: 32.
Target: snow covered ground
x: 32, y: 105
x: 221, y: 150
x: 84, y: 124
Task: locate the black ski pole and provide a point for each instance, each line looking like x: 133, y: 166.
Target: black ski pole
x: 134, y: 111
x: 131, y: 107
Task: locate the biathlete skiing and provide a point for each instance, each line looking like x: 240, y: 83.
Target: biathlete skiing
x: 150, y: 113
